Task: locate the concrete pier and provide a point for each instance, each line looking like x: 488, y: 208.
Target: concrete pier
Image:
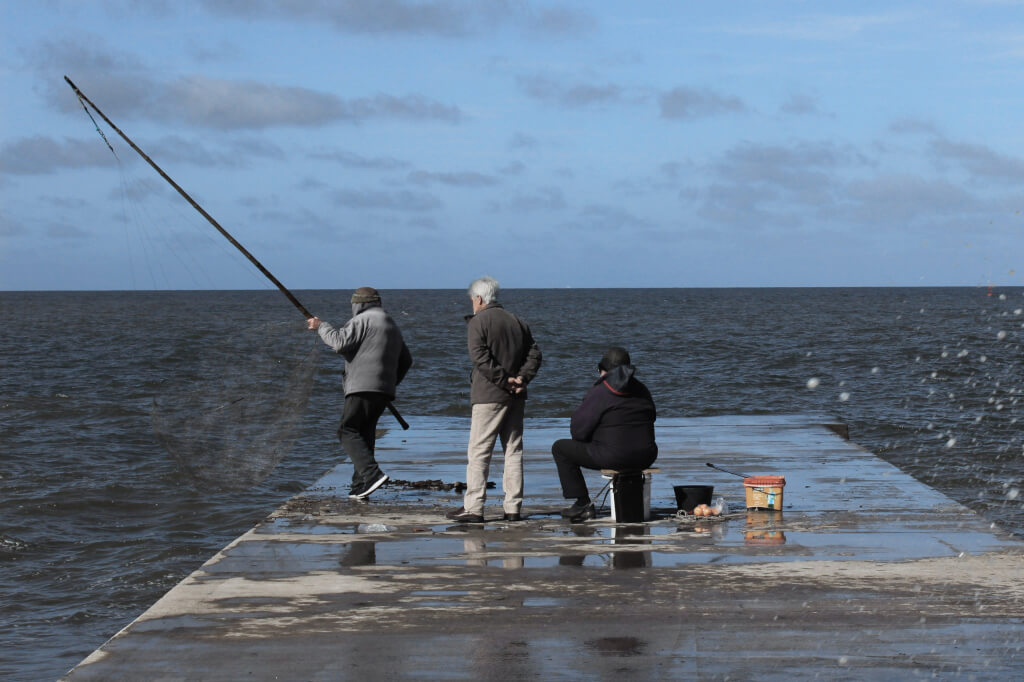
x: 866, y: 573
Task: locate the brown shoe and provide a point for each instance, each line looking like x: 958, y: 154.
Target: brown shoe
x: 462, y: 516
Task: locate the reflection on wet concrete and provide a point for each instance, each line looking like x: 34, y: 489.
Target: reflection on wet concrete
x: 625, y: 538
x: 617, y: 646
x: 360, y: 553
x: 764, y: 528
x: 476, y: 552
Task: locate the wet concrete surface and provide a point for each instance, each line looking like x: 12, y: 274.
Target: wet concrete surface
x: 864, y: 574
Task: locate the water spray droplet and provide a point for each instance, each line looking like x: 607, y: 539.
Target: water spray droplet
x: 813, y: 383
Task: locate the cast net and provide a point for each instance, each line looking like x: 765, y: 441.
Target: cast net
x: 229, y: 414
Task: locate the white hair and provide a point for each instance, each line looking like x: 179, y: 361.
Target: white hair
x: 486, y: 288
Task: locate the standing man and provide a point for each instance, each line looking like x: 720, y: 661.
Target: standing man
x: 505, y: 359
x: 376, y: 360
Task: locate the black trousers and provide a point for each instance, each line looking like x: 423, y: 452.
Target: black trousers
x: 570, y: 455
x: 358, y: 433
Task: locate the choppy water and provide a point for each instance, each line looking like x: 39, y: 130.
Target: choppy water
x: 97, y: 521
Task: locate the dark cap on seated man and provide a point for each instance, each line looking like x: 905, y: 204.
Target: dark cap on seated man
x: 615, y: 357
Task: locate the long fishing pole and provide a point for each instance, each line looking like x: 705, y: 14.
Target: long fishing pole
x: 284, y: 290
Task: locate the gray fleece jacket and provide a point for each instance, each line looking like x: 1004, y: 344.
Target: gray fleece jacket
x: 376, y: 357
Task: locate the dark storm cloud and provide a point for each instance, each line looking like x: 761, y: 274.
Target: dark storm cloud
x: 566, y: 95
x: 446, y: 18
x: 459, y: 179
x: 979, y: 160
x: 687, y: 103
x: 377, y: 199
x: 40, y: 154
x: 352, y: 160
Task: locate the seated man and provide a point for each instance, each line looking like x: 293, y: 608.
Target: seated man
x: 613, y: 428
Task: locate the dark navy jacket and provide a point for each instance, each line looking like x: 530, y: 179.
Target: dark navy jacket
x: 616, y: 420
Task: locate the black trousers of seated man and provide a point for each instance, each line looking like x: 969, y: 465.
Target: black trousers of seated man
x: 572, y: 456
x: 358, y: 434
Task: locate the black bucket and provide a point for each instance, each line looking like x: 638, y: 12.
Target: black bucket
x: 689, y: 496
x: 628, y: 497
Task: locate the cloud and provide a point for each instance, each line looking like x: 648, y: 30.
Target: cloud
x: 979, y: 160
x: 758, y: 185
x: 608, y: 218
x: 822, y: 27
x: 897, y: 200
x: 9, y: 228
x: 120, y: 85
x: 40, y: 154
x: 742, y: 206
x: 376, y: 199
x: 142, y: 189
x: 523, y: 141
x: 174, y: 148
x: 460, y: 179
x: 909, y: 126
x: 541, y: 199
x: 444, y: 18
x: 800, y: 105
x: 513, y: 168
x: 352, y: 160
x: 687, y: 104
x: 65, y: 231
x: 797, y: 169
x: 230, y: 105
x: 551, y: 91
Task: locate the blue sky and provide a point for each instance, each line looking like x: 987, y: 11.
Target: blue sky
x: 420, y: 144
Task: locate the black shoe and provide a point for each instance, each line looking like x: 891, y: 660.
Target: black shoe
x: 575, y: 510
x: 588, y: 512
x: 513, y: 518
x: 364, y: 492
x: 463, y: 516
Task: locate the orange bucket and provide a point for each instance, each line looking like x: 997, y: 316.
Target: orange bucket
x: 764, y: 492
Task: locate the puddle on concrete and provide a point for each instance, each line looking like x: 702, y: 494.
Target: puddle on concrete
x: 543, y: 601
x: 310, y: 526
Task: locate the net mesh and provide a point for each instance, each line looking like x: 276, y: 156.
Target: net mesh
x: 229, y: 415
